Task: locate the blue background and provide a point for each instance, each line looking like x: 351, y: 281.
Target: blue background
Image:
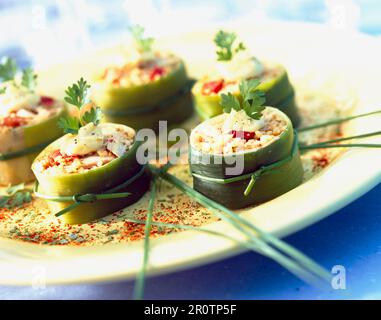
x: 351, y: 237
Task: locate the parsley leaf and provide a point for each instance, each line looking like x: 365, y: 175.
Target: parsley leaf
x: 225, y: 41
x: 29, y: 79
x: 8, y: 69
x: 69, y: 124
x: 94, y: 116
x: 77, y: 94
x: 15, y: 196
x: 252, y: 99
x: 229, y: 102
x: 144, y: 44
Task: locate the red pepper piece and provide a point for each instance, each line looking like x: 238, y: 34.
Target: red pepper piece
x: 51, y: 160
x: 212, y: 87
x: 69, y: 159
x: 14, y: 121
x: 247, y: 135
x: 46, y: 101
x: 156, y: 71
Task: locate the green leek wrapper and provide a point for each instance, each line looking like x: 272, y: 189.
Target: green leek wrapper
x: 143, y: 106
x: 269, y: 185
x: 94, y: 181
x: 18, y: 169
x: 279, y: 94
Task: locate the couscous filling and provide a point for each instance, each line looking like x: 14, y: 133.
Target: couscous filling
x: 141, y: 70
x: 236, y: 132
x: 93, y: 147
x: 218, y: 86
x: 21, y: 107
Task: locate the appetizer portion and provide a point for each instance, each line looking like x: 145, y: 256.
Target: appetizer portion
x: 94, y: 146
x: 247, y: 155
x: 28, y: 122
x: 92, y: 159
x: 235, y: 132
x: 235, y: 64
x: 147, y: 87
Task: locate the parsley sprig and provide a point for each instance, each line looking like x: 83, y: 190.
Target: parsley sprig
x: 143, y: 44
x: 15, y: 196
x: 252, y: 99
x: 9, y: 70
x: 227, y: 47
x: 78, y: 96
x: 29, y: 79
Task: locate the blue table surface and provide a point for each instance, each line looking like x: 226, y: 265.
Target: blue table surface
x: 351, y: 237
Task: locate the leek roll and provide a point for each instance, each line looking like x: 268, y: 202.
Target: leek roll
x: 265, y: 153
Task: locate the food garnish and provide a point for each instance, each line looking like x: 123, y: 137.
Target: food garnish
x: 8, y: 72
x: 252, y: 99
x: 78, y: 96
x: 255, y: 239
x: 143, y: 44
x: 8, y: 69
x: 227, y: 45
x: 29, y: 79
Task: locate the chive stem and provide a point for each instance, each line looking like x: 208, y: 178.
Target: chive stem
x: 327, y: 146
x: 250, y: 185
x: 360, y: 136
x: 248, y: 245
x: 237, y: 222
x: 337, y: 121
x: 140, y: 280
x: 67, y: 209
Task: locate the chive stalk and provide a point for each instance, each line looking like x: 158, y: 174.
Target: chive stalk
x: 333, y: 143
x: 350, y: 145
x: 338, y: 121
x: 140, y: 280
x: 256, y: 235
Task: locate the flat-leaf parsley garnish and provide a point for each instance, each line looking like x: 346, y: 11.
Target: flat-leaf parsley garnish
x: 143, y: 44
x: 94, y: 116
x: 252, y: 99
x: 78, y: 96
x: 29, y: 79
x: 69, y: 124
x: 9, y: 71
x: 227, y: 47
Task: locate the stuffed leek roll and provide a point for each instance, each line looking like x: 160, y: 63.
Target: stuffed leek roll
x: 93, y: 170
x: 236, y: 64
x: 257, y: 142
x: 147, y: 87
x: 28, y: 123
